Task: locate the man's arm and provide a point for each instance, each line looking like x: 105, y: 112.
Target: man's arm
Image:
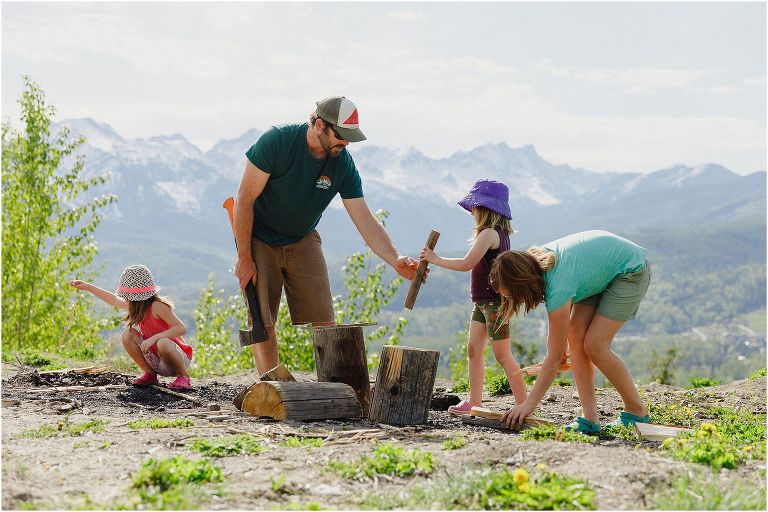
x: 251, y: 186
x: 377, y: 237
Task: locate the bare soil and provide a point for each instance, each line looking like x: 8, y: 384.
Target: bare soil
x: 70, y: 472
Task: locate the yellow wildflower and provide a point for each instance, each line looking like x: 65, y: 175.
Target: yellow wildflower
x: 524, y: 487
x: 520, y: 476
x: 708, y: 427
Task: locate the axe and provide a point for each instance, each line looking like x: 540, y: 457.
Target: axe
x: 255, y: 333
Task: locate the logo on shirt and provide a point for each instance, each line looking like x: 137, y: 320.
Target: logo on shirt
x: 323, y: 182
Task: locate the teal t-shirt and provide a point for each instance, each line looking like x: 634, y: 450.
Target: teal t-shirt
x: 586, y: 263
x: 300, y: 187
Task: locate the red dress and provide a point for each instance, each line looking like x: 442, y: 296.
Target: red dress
x: 151, y: 325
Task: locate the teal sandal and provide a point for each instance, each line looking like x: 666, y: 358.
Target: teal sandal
x: 583, y: 426
x: 627, y: 419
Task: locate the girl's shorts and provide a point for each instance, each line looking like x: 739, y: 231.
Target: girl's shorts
x: 621, y: 298
x: 158, y: 365
x: 487, y: 312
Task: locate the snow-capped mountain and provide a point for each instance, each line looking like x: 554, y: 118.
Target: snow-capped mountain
x: 170, y: 195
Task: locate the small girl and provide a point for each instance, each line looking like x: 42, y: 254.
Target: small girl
x: 153, y: 338
x: 488, y: 201
x: 592, y: 283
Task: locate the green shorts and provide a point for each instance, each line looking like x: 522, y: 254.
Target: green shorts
x: 621, y: 298
x: 487, y: 312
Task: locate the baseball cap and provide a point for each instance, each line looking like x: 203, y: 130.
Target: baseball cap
x: 341, y: 113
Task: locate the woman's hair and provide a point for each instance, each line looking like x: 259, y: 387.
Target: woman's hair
x: 137, y: 309
x: 520, y: 275
x: 486, y: 218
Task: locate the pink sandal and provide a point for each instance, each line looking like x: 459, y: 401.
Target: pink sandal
x: 180, y: 383
x: 462, y: 409
x: 148, y: 379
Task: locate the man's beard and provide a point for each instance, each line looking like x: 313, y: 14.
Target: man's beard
x: 325, y: 143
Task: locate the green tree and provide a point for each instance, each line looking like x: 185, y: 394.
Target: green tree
x: 48, y: 231
x: 661, y: 367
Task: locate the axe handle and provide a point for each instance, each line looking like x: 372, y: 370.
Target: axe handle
x: 258, y: 332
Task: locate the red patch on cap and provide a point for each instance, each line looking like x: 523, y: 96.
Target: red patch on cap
x: 352, y: 119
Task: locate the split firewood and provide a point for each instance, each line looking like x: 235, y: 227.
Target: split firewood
x: 302, y: 401
x: 279, y: 373
x: 180, y: 395
x: 495, y: 416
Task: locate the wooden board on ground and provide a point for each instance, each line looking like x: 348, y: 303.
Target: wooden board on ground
x: 404, y: 385
x: 302, y: 401
x: 651, y: 432
x: 279, y: 373
x: 489, y: 423
x: 483, y: 412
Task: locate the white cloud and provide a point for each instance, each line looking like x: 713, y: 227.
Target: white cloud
x: 403, y: 14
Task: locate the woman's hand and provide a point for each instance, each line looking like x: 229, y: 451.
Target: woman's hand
x: 147, y: 343
x: 427, y: 255
x: 514, y: 417
x: 80, y: 285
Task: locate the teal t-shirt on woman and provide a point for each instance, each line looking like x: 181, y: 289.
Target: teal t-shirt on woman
x: 300, y: 187
x: 586, y: 263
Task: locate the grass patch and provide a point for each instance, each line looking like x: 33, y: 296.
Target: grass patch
x: 759, y: 374
x: 620, y: 431
x: 64, y: 428
x: 553, y: 433
x: 701, y: 382
x: 562, y: 380
x: 706, y: 492
x: 173, y: 483
x: 161, y: 423
x: 387, y: 459
x: 671, y: 414
x: 295, y: 505
x: 229, y: 446
x: 32, y: 357
x: 705, y: 446
x: 454, y: 443
x: 498, y: 384
x: 491, y: 489
x: 302, y: 442
x: 461, y: 387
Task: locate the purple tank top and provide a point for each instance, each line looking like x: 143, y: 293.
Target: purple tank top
x: 479, y: 286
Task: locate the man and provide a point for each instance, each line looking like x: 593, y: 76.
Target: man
x: 291, y: 175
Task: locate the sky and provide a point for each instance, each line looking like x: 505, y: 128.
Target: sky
x: 604, y: 86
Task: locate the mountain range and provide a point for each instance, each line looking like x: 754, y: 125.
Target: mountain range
x: 169, y: 215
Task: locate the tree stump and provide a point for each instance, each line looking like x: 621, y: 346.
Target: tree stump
x: 302, y: 401
x: 340, y: 357
x: 404, y: 383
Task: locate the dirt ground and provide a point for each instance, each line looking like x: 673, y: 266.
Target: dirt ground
x: 68, y: 472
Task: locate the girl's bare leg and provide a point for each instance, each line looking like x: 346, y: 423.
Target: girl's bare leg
x: 478, y: 334
x: 131, y: 341
x: 597, y: 345
x: 502, y: 351
x: 166, y: 349
x: 581, y: 366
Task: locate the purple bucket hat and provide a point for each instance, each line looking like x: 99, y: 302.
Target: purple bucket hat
x: 489, y: 193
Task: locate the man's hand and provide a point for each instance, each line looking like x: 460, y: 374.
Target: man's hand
x: 245, y: 270
x: 515, y: 417
x: 406, y: 267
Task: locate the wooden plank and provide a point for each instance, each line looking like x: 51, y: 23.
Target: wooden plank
x: 483, y: 412
x: 180, y: 395
x: 652, y: 432
x: 413, y: 291
x: 68, y: 389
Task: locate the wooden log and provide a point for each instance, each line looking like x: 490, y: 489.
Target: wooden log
x: 279, y: 373
x: 483, y: 412
x: 651, y: 432
x: 302, y: 401
x: 340, y: 357
x: 404, y: 382
x: 413, y: 291
x: 179, y: 395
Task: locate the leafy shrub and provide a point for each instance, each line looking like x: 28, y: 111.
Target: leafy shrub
x: 387, y: 459
x: 759, y: 374
x: 497, y: 383
x: 562, y: 380
x: 701, y: 382
x: 742, y: 428
x: 553, y: 433
x: 302, y: 442
x: 173, y: 482
x: 241, y: 444
x: 454, y: 443
x: 461, y: 387
x: 161, y: 423
x: 620, y: 431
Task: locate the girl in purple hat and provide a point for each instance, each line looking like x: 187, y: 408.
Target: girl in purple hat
x: 153, y: 338
x: 488, y: 201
